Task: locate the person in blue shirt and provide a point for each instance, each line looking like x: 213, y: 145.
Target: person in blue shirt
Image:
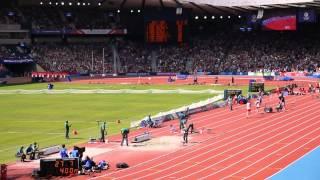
x: 29, y: 149
x: 88, y: 163
x: 183, y: 116
x: 74, y: 153
x: 21, y: 154
x: 63, y: 152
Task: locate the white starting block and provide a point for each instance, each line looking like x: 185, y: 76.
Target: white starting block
x: 141, y: 138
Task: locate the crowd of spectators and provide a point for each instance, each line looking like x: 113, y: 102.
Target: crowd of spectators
x: 220, y: 53
x: 241, y: 52
x: 73, y: 58
x: 273, y: 52
x: 7, y: 51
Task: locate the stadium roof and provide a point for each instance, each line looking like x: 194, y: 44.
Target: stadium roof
x: 246, y: 2
x: 214, y: 7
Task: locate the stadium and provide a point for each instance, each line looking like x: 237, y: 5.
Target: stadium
x: 159, y: 89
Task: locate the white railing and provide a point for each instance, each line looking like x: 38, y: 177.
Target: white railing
x: 192, y: 108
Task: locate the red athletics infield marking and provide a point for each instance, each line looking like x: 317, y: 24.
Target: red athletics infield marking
x: 125, y: 172
x: 205, y: 156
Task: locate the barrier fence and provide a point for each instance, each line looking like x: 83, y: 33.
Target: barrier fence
x: 201, y: 106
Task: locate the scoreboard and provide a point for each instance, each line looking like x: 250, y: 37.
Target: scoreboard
x: 231, y: 93
x: 162, y: 31
x: 165, y: 26
x: 157, y: 31
x: 59, y: 167
x: 254, y: 87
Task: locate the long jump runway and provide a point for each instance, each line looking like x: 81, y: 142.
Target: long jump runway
x: 239, y: 147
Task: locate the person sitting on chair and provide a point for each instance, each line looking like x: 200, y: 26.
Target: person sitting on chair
x: 63, y: 152
x: 74, y: 153
x: 35, y: 146
x: 30, y: 151
x: 21, y: 154
x: 88, y: 164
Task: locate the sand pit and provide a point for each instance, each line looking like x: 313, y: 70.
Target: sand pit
x: 164, y: 143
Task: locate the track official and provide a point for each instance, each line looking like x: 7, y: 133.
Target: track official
x: 103, y: 131
x: 124, y: 132
x: 67, y: 128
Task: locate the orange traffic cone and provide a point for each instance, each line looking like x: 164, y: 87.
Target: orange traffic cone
x: 75, y: 132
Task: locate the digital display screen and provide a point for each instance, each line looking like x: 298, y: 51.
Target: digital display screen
x: 254, y: 87
x: 231, y: 93
x: 162, y: 31
x: 59, y: 167
x: 165, y: 26
x: 280, y: 20
x: 157, y: 31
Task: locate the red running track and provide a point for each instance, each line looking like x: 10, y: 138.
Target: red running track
x: 204, y: 80
x: 252, y: 148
